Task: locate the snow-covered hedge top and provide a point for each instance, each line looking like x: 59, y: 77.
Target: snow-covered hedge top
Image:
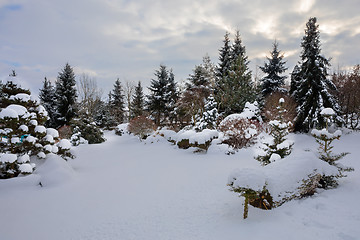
x: 193, y: 136
x: 8, y: 158
x: 327, y: 112
x: 197, y: 137
x: 250, y: 111
x: 282, y: 177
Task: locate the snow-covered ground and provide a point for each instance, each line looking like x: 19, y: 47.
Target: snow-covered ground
x: 125, y: 189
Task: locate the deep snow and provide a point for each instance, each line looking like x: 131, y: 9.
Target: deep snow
x: 125, y: 189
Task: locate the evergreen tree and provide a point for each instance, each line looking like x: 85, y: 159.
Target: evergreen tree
x: 65, y: 94
x: 209, y: 116
x: 47, y: 99
x: 173, y: 97
x: 163, y: 95
x: 224, y: 58
x: 117, y: 102
x: 238, y: 49
x: 209, y: 70
x: 236, y: 88
x: 22, y: 132
x: 279, y: 147
x: 138, y: 102
x: 273, y: 81
x: 197, y: 91
x: 295, y: 81
x: 312, y: 92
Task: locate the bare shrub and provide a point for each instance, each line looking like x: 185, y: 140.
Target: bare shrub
x: 141, y: 126
x: 240, y: 132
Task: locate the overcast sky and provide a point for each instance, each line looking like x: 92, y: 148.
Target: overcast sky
x: 110, y: 39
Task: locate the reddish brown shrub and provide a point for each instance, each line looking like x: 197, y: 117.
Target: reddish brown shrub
x: 141, y: 126
x: 270, y: 112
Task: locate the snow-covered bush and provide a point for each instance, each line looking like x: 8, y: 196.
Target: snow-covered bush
x: 278, y: 147
x: 209, y: 116
x: 141, y: 126
x: 268, y: 187
x: 190, y: 138
x: 76, y: 138
x: 241, y: 130
x: 88, y: 131
x: 22, y: 132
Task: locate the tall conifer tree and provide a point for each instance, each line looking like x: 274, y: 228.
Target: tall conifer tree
x: 47, y: 99
x: 312, y: 90
x: 117, y: 102
x: 273, y: 81
x: 65, y: 94
x: 138, y: 102
x: 163, y: 95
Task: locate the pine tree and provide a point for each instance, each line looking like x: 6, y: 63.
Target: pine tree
x: 273, y: 81
x: 47, y: 99
x: 313, y: 90
x: 279, y: 147
x: 65, y: 94
x: 138, y: 102
x: 117, y: 102
x: 163, y: 95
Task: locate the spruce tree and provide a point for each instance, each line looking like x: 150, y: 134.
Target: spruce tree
x: 209, y: 116
x: 313, y: 90
x: 224, y: 58
x: 237, y: 88
x: 117, y: 102
x: 65, y: 95
x: 47, y: 99
x: 23, y: 134
x: 273, y: 81
x: 279, y: 147
x: 173, y: 97
x: 238, y: 49
x: 209, y: 70
x: 138, y: 102
x: 295, y: 81
x: 163, y: 95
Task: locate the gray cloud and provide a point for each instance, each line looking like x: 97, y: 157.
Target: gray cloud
x: 129, y: 39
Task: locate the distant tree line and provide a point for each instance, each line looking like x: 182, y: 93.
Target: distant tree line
x: 212, y: 91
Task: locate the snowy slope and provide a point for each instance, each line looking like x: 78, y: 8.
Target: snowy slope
x: 125, y: 189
